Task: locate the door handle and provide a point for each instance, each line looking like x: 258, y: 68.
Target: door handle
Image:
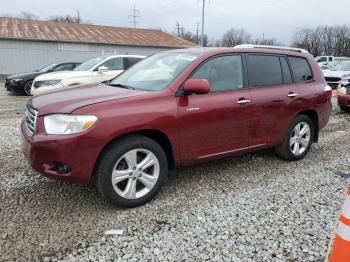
x: 292, y: 94
x: 243, y: 101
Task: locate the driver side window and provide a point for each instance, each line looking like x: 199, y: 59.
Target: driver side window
x: 114, y: 64
x: 223, y: 73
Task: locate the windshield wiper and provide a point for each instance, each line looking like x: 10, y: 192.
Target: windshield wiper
x: 122, y: 86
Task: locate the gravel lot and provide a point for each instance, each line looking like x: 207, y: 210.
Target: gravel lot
x: 250, y: 208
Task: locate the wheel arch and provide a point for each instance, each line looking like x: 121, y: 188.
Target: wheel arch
x: 313, y: 115
x: 158, y: 136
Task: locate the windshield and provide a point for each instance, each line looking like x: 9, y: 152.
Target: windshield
x: 89, y: 64
x: 155, y: 72
x: 47, y: 68
x: 342, y: 67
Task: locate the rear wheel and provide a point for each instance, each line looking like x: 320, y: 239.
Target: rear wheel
x: 27, y: 87
x: 131, y: 171
x: 346, y: 109
x: 298, y: 139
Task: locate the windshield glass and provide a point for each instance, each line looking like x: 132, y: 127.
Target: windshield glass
x: 342, y: 67
x: 89, y: 64
x: 47, y: 68
x: 155, y: 72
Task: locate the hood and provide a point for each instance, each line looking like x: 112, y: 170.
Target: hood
x: 29, y: 75
x: 68, y: 100
x: 62, y: 75
x: 331, y: 73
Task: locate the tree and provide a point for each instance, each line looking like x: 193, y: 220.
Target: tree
x: 235, y: 37
x: 324, y: 40
x: 65, y: 19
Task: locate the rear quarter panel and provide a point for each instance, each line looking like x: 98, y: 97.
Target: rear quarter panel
x: 312, y: 95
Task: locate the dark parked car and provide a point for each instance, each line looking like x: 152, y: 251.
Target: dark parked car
x: 21, y: 83
x: 177, y: 108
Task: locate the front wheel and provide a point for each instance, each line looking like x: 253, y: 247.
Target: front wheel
x: 298, y: 139
x: 131, y: 171
x: 27, y: 88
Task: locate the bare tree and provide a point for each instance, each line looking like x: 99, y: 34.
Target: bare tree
x: 324, y: 40
x: 65, y: 19
x: 235, y: 37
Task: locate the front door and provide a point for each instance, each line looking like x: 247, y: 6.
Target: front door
x: 216, y: 123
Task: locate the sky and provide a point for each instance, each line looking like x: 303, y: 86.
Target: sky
x: 272, y: 18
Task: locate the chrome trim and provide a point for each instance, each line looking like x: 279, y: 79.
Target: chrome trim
x: 292, y: 95
x: 242, y: 102
x: 30, y: 119
x: 192, y: 109
x: 230, y: 151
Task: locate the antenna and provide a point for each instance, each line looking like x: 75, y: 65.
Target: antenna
x: 134, y: 15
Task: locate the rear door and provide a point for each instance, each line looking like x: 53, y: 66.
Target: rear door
x: 216, y: 123
x: 273, y: 98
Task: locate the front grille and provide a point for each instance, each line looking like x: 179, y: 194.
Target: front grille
x: 30, y: 118
x: 333, y: 79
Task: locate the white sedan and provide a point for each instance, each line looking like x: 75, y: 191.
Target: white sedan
x: 96, y: 70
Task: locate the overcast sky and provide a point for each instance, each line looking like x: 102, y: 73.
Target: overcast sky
x: 273, y: 18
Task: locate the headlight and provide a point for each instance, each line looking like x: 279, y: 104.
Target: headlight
x: 61, y: 124
x: 17, y: 80
x: 47, y: 83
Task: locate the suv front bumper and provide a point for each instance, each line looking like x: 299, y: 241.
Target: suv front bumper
x: 44, y: 152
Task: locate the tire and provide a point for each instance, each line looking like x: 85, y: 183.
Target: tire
x: 345, y: 109
x: 289, y: 150
x: 27, y: 87
x: 118, y: 158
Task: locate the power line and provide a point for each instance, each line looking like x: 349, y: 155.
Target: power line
x: 134, y: 15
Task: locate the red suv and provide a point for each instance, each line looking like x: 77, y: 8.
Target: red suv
x: 177, y: 108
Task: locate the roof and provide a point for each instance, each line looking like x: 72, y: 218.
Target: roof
x: 38, y: 30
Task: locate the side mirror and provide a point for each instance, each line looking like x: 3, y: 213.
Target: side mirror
x: 197, y: 86
x: 102, y: 69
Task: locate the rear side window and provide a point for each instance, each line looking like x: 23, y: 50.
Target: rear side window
x: 264, y: 70
x: 287, y: 76
x: 301, y: 69
x: 130, y: 61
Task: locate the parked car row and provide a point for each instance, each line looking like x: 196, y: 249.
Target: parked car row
x: 175, y: 108
x: 22, y: 83
x: 69, y: 74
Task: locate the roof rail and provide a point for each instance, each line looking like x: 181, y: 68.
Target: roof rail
x: 285, y: 48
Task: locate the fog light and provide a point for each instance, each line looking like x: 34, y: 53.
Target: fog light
x: 60, y: 168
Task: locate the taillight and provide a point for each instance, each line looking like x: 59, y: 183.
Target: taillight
x: 328, y: 90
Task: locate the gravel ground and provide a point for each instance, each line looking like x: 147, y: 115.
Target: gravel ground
x: 250, y: 208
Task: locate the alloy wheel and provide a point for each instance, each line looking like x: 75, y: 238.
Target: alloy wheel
x: 135, y: 173
x: 300, y: 138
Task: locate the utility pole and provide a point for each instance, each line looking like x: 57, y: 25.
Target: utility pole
x: 197, y: 38
x: 78, y: 17
x: 203, y: 6
x: 134, y: 15
x: 178, y: 28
